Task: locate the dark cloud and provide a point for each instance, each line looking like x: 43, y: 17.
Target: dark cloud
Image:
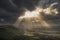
x: 11, y: 9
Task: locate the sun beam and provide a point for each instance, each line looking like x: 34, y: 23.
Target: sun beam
x: 37, y: 14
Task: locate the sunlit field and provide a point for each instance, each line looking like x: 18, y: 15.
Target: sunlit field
x: 11, y: 33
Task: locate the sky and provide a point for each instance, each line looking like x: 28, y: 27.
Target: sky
x: 11, y: 10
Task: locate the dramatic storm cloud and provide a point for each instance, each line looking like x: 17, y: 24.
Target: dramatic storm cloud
x: 11, y: 9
